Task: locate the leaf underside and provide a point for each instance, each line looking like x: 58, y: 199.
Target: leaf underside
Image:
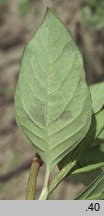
x: 52, y: 101
x: 96, y: 130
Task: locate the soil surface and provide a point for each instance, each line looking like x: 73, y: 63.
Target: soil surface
x: 16, y: 29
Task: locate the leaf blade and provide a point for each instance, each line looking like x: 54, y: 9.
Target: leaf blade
x: 97, y: 96
x: 49, y: 92
x: 84, y: 152
x: 88, y: 168
x: 95, y: 191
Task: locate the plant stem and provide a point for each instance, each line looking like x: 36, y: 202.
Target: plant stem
x: 55, y: 182
x: 45, y: 190
x: 34, y: 170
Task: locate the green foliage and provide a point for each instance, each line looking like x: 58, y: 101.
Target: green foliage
x: 95, y: 191
x: 61, y: 175
x: 93, y: 13
x: 4, y: 90
x: 88, y: 168
x: 97, y: 96
x: 2, y: 2
x: 90, y: 153
x: 94, y: 153
x: 98, y: 123
x: 24, y: 7
x: 53, y: 104
x: 97, y: 126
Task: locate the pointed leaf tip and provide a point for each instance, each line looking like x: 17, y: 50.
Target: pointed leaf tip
x: 53, y: 104
x: 49, y: 10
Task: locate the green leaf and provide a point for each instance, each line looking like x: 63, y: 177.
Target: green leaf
x: 84, y: 152
x: 97, y: 96
x: 101, y: 136
x: 2, y: 2
x: 89, y: 157
x: 80, y: 150
x: 24, y: 7
x: 93, y: 154
x: 52, y: 101
x: 95, y: 191
x: 88, y: 168
x: 59, y: 177
x: 4, y: 90
x: 99, y: 123
x: 93, y: 13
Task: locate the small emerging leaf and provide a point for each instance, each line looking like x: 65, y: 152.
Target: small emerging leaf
x: 52, y: 102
